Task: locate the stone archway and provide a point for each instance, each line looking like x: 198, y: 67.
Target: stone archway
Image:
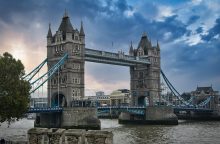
x: 141, y: 101
x: 58, y: 100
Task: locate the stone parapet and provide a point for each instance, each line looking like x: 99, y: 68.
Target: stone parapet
x: 70, y: 136
x: 98, y: 137
x: 153, y: 115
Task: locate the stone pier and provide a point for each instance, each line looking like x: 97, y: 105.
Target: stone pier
x: 70, y: 118
x: 153, y: 115
x: 70, y: 136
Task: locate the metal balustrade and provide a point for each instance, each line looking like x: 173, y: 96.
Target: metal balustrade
x: 114, y: 58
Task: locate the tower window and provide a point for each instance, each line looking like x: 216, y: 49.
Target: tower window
x: 139, y: 53
x: 73, y: 92
x: 56, y: 49
x: 61, y: 47
x: 76, y: 80
x: 76, y: 93
x: 76, y: 66
x: 77, y: 47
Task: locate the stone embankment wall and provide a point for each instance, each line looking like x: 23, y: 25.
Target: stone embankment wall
x: 70, y: 136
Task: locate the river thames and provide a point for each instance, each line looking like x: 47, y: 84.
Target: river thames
x: 187, y: 132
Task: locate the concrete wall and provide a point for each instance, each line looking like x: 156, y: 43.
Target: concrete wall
x: 75, y: 117
x: 48, y: 120
x: 160, y: 113
x: 70, y: 136
x: 82, y: 117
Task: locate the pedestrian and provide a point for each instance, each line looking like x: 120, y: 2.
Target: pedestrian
x: 2, y: 141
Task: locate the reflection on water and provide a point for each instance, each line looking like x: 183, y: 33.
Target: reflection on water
x: 16, y: 131
x: 186, y: 132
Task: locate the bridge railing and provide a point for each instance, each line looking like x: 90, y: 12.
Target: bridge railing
x: 119, y: 55
x: 121, y: 107
x: 43, y: 110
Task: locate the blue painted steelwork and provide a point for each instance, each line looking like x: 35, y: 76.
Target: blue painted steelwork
x: 114, y: 58
x: 177, y: 109
x: 205, y: 102
x: 29, y: 76
x: 45, y: 110
x: 141, y: 110
x: 44, y: 78
x: 185, y: 103
x: 173, y: 90
x: 190, y: 100
x: 133, y: 110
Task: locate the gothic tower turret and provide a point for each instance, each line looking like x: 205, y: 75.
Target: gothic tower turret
x: 131, y: 50
x: 145, y: 79
x: 49, y: 36
x: 68, y: 83
x: 82, y: 34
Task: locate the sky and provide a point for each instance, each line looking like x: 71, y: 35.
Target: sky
x: 188, y: 32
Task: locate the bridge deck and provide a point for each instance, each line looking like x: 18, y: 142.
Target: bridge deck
x: 113, y: 58
x: 45, y: 110
x: 138, y: 110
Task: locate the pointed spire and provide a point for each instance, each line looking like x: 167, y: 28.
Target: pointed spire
x: 158, y: 46
x: 150, y: 42
x: 81, y: 33
x: 144, y: 34
x: 131, y: 47
x: 49, y: 34
x: 65, y: 25
x: 65, y: 14
x: 131, y: 51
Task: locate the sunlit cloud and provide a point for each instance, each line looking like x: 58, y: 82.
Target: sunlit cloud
x: 187, y: 32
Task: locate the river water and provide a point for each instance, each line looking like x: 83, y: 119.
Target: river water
x: 187, y: 132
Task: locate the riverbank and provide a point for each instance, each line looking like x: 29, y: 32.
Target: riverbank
x: 189, y: 132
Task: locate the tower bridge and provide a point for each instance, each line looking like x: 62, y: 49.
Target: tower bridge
x: 144, y: 63
x: 66, y: 56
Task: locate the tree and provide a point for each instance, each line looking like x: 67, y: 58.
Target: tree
x: 14, y: 91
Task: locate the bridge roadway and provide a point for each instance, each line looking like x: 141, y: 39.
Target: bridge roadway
x: 139, y: 110
x: 119, y: 58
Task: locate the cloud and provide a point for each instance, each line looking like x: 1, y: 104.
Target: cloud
x: 188, y: 33
x: 199, y: 30
x: 213, y: 32
x: 193, y: 19
x: 197, y: 64
x: 164, y: 12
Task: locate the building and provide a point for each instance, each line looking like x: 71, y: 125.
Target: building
x: 116, y: 98
x: 100, y: 99
x: 38, y: 102
x: 100, y: 93
x: 120, y: 97
x: 202, y: 93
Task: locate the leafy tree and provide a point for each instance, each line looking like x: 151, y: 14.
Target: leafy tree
x: 14, y: 92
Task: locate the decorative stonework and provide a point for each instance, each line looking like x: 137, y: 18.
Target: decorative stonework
x: 70, y: 136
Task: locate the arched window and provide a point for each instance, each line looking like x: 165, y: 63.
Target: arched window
x: 76, y: 47
x: 74, y: 93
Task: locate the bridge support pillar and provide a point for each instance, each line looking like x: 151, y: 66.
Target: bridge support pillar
x: 153, y: 115
x: 70, y: 118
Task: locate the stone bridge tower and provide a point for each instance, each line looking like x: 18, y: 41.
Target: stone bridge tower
x: 145, y: 79
x: 67, y: 84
